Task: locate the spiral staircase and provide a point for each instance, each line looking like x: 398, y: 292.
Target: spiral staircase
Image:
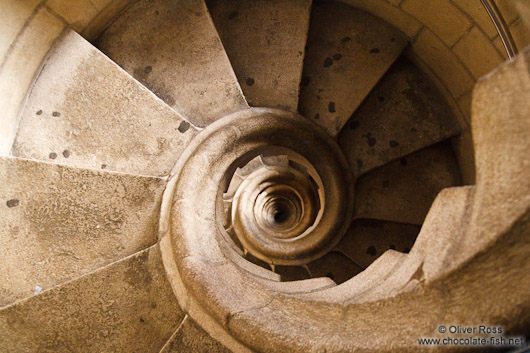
x: 275, y: 176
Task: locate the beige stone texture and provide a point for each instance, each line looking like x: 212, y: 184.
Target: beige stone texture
x: 476, y: 11
x: 477, y: 53
x: 441, y: 16
x: 500, y: 133
x: 348, y: 51
x: 77, y: 13
x: 19, y: 67
x: 124, y: 307
x: 368, y: 239
x: 190, y: 337
x: 178, y: 55
x: 10, y: 26
x: 388, y: 13
x: 265, y: 43
x: 443, y: 63
x: 108, y: 11
x: 404, y: 113
x: 403, y: 190
x: 444, y: 228
x: 86, y: 111
x: 58, y: 223
x: 101, y: 4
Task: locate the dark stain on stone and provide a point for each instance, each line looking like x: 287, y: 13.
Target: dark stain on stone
x: 66, y: 153
x: 52, y: 155
x: 184, y: 126
x: 305, y: 81
x: 157, y: 12
x: 403, y: 161
x: 233, y: 15
x: 148, y: 69
x: 103, y: 166
x: 345, y: 39
x: 317, y: 116
x: 354, y: 124
x: 142, y: 319
x: 337, y: 56
x: 374, y: 51
x: 318, y: 97
x: 386, y: 183
x: 328, y: 62
x: 359, y: 164
x: 56, y: 114
x: 371, y: 141
x: 249, y: 81
x: 371, y: 250
x: 331, y: 107
x: 393, y: 143
x: 12, y: 203
x: 39, y: 112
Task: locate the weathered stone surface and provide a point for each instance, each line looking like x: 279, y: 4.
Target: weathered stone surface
x: 403, y: 190
x: 127, y: 306
x: 367, y: 239
x: 441, y: 16
x: 477, y: 53
x: 443, y: 62
x: 336, y: 266
x: 439, y: 242
x: 190, y: 337
x: 501, y: 111
x: 18, y: 69
x: 347, y: 53
x: 265, y: 43
x: 58, y: 223
x: 403, y: 114
x: 86, y: 111
x: 173, y: 48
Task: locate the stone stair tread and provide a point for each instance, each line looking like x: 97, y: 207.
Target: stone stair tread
x: 404, y: 113
x: 348, y: 51
x: 85, y: 111
x: 403, y: 191
x: 173, y: 48
x: 126, y: 306
x: 58, y: 223
x: 265, y: 43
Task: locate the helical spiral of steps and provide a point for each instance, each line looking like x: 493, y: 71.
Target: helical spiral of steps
x: 268, y: 176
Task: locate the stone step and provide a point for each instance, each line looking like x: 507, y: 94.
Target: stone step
x: 86, y: 111
x: 128, y: 306
x: 403, y: 191
x: 58, y: 223
x: 265, y: 43
x: 348, y: 51
x: 190, y: 337
x: 173, y: 48
x: 404, y: 113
